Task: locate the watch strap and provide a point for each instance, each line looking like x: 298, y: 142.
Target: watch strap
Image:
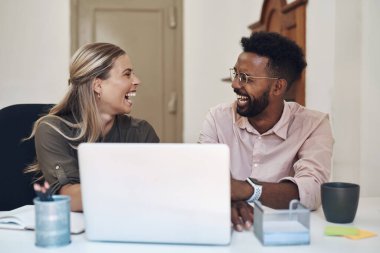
x: 257, y: 190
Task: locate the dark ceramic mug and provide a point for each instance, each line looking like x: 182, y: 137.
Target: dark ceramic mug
x: 340, y: 201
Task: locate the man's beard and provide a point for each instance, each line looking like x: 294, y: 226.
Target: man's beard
x: 255, y: 105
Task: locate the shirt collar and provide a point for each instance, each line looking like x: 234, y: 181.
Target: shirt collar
x: 280, y: 128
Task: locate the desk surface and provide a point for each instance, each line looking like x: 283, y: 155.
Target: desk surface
x: 367, y: 217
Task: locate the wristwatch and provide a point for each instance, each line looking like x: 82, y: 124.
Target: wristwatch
x: 257, y: 189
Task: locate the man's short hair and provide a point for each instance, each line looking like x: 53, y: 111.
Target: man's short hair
x: 286, y: 58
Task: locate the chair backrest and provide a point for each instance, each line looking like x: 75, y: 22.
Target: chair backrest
x: 16, y: 123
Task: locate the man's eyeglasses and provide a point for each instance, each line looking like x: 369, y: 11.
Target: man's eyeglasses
x: 245, y: 78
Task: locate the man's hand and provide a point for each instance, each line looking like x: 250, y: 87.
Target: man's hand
x: 240, y: 190
x: 241, y: 215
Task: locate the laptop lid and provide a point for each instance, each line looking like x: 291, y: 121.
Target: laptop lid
x: 156, y: 193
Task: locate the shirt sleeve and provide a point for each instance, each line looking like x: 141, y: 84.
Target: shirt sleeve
x: 208, y: 132
x: 56, y: 158
x: 313, y: 166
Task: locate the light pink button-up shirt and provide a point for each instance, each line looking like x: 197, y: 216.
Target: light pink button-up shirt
x: 298, y: 148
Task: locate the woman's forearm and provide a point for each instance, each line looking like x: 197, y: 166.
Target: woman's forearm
x: 74, y: 191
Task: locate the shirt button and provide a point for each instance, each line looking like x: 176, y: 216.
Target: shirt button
x: 255, y: 165
x: 259, y: 138
x: 57, y: 167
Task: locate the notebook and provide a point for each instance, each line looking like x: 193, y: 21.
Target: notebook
x: 23, y: 218
x: 156, y: 193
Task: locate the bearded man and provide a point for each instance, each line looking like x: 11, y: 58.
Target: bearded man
x: 280, y: 150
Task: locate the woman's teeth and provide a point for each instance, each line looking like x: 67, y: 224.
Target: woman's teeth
x: 129, y: 96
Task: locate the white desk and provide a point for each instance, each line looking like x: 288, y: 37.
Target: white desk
x: 367, y: 217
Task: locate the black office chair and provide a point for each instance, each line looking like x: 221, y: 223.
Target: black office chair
x: 16, y: 123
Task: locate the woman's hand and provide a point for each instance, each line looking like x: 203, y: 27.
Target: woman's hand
x: 43, y: 192
x: 74, y: 191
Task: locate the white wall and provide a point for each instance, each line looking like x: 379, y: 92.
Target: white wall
x: 320, y: 37
x: 342, y: 75
x: 370, y: 102
x: 34, y: 51
x: 347, y: 90
x: 342, y: 79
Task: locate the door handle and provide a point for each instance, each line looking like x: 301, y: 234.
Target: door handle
x: 172, y: 17
x: 172, y: 104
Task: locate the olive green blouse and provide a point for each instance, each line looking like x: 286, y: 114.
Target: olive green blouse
x: 58, y: 160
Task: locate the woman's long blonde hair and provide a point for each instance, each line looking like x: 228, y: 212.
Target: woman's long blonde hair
x: 91, y: 61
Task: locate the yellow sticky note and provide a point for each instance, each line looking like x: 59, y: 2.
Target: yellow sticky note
x: 362, y: 234
x: 340, y: 231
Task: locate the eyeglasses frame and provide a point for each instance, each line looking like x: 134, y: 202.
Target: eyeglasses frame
x: 239, y: 76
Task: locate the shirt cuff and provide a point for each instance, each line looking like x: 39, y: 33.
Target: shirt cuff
x: 308, y: 190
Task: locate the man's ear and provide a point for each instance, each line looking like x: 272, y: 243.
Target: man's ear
x: 280, y: 87
x: 97, y: 85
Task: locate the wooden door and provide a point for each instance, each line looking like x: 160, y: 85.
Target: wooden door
x: 150, y: 31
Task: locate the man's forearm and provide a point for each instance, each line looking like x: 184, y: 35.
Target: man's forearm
x: 274, y: 195
x: 278, y: 195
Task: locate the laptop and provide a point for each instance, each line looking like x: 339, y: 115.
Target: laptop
x: 156, y: 193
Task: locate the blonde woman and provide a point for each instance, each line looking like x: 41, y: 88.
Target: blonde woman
x: 94, y: 109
